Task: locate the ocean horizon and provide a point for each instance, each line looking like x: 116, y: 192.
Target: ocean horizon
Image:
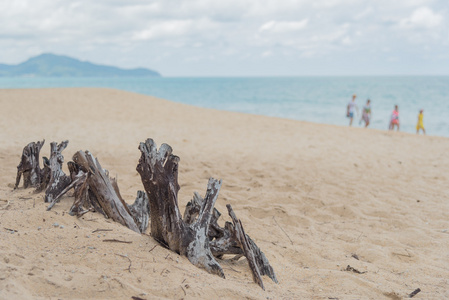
x: 319, y: 99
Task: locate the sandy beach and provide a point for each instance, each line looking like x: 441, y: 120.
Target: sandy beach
x: 315, y: 198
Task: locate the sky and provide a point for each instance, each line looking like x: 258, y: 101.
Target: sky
x: 201, y: 38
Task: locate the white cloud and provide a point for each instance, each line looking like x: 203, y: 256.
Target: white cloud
x: 166, y: 32
x: 165, y: 29
x: 422, y: 17
x: 283, y: 27
x: 267, y: 54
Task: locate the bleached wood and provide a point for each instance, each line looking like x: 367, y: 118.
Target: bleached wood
x: 159, y: 173
x: 100, y: 190
x: 29, y: 166
x: 58, y: 179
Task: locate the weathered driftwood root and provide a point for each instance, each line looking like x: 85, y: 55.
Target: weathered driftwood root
x: 96, y: 190
x: 256, y: 259
x: 233, y: 240
x: 29, y: 166
x: 196, y: 236
x: 77, y: 181
x: 45, y: 176
x: 140, y: 210
x: 58, y: 179
x: 159, y: 173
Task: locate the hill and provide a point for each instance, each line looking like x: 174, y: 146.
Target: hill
x: 51, y: 65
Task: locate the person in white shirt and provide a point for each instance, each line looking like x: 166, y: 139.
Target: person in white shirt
x: 351, y: 108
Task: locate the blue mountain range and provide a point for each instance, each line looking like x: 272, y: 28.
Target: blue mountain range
x: 51, y: 65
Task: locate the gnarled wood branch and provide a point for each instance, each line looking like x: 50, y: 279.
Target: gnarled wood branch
x: 96, y: 191
x: 58, y: 179
x: 45, y: 175
x: 99, y: 191
x: 158, y: 170
x: 140, y: 210
x: 233, y: 240
x: 29, y: 166
x: 196, y: 236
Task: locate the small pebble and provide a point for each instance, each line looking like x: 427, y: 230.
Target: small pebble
x: 98, y: 235
x: 88, y: 236
x: 39, y: 228
x: 61, y: 226
x: 55, y: 224
x: 91, y: 247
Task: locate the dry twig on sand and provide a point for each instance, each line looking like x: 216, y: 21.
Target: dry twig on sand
x: 117, y: 241
x: 125, y: 256
x: 98, y: 229
x: 413, y: 294
x: 351, y: 269
x: 282, y: 230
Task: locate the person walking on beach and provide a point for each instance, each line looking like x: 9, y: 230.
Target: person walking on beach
x: 352, y: 106
x: 420, y: 124
x: 366, y: 113
x: 394, y: 118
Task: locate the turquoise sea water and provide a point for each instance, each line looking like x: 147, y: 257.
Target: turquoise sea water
x: 315, y: 99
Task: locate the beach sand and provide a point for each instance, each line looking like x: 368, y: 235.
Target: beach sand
x: 315, y: 198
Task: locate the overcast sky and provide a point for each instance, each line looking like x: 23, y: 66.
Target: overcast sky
x: 235, y: 37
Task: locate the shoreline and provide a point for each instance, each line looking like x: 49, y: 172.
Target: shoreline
x: 319, y: 100
x: 219, y: 110
x: 310, y: 195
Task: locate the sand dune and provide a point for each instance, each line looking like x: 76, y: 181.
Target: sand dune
x: 313, y: 197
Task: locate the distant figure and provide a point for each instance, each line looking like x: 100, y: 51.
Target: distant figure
x: 420, y: 124
x: 352, y: 106
x: 366, y: 113
x: 394, y: 118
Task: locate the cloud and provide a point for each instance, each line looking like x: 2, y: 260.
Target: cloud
x: 422, y: 17
x: 229, y: 33
x: 283, y: 27
x: 164, y: 29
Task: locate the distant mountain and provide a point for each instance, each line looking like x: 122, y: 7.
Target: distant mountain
x: 50, y: 65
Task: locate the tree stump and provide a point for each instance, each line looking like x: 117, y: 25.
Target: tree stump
x: 257, y: 261
x: 29, y: 166
x: 232, y: 240
x: 140, y: 210
x: 45, y: 176
x: 196, y: 236
x: 159, y: 173
x: 96, y: 191
x: 99, y: 191
x: 58, y: 179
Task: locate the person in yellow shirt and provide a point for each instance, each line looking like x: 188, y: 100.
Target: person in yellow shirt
x: 420, y: 124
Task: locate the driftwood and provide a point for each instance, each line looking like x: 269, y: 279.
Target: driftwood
x: 58, y: 179
x: 140, y: 210
x: 96, y: 191
x: 198, y: 235
x: 159, y: 174
x: 29, y: 166
x: 233, y: 240
x: 45, y: 175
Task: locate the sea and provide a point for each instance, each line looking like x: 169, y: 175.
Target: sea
x: 312, y: 99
